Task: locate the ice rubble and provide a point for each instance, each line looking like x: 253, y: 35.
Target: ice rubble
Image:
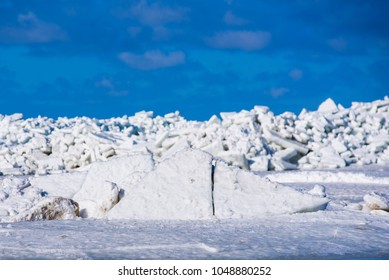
x: 148, y: 167
x: 256, y: 140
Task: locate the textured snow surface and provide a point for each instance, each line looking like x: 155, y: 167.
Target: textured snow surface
x: 319, y: 235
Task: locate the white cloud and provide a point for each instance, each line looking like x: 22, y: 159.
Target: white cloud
x: 156, y: 15
x: 338, y: 44
x: 279, y: 91
x: 296, y: 74
x: 118, y: 93
x: 105, y: 83
x: 32, y: 30
x: 109, y: 88
x: 152, y: 59
x: 243, y: 40
x: 231, y: 19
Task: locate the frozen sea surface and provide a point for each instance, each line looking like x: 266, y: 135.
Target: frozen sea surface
x: 322, y: 235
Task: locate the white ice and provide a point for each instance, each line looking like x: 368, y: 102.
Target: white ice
x: 162, y: 187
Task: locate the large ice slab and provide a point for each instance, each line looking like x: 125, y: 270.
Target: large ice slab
x: 64, y: 185
x: 192, y: 185
x: 107, y: 180
x: 241, y: 194
x: 180, y: 187
x: 285, y: 143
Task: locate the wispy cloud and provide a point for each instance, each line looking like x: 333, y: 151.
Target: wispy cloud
x: 231, y: 19
x: 31, y: 29
x: 278, y: 91
x: 152, y: 59
x: 243, y: 40
x: 104, y: 83
x: 157, y: 15
x: 338, y: 44
x: 109, y: 87
x: 296, y: 74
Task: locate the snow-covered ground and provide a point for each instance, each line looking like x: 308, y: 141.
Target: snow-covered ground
x: 249, y: 186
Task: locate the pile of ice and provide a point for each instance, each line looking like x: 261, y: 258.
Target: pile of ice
x: 256, y: 140
x: 146, y: 167
x: 187, y: 185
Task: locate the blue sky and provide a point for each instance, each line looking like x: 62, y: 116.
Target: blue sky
x: 113, y: 58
